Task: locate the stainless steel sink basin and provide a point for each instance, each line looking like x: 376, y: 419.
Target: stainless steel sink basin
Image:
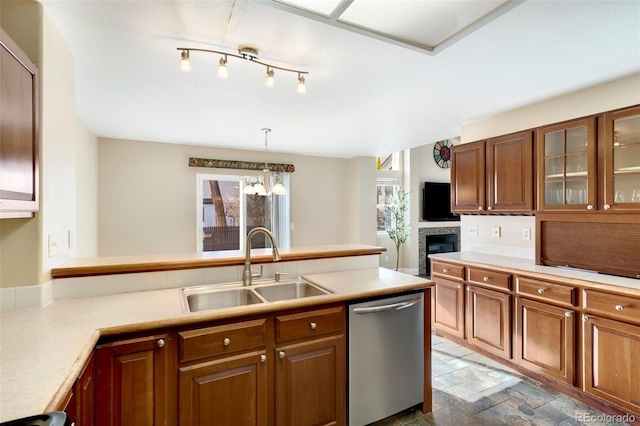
x: 210, y: 297
x: 219, y: 299
x: 289, y: 291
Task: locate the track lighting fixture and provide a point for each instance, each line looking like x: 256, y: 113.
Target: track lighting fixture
x: 248, y: 54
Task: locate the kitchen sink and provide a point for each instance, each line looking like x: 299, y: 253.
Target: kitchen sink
x: 219, y: 299
x: 205, y: 298
x: 290, y: 290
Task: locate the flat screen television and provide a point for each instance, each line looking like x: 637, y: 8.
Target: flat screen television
x: 436, y: 202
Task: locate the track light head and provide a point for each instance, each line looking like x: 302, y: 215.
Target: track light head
x: 185, y: 65
x: 269, y: 80
x: 223, y: 72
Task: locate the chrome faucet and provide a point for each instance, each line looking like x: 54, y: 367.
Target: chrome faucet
x: 246, y: 274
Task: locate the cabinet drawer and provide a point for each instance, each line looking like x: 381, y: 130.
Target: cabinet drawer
x: 222, y: 340
x: 550, y: 292
x: 612, y: 305
x: 447, y: 270
x: 488, y: 278
x: 309, y: 324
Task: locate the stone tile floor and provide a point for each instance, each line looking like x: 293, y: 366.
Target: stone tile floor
x: 470, y: 389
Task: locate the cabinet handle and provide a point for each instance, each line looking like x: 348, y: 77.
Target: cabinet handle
x: 282, y: 354
x: 263, y: 358
x: 160, y: 343
x: 619, y: 307
x: 607, y: 206
x: 485, y: 279
x: 568, y: 314
x: 589, y: 207
x: 226, y: 341
x: 313, y: 325
x: 445, y: 270
x: 585, y: 318
x: 541, y: 290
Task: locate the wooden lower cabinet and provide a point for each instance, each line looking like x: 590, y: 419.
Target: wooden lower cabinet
x: 311, y: 383
x: 230, y: 392
x: 612, y: 361
x: 545, y: 341
x: 449, y: 307
x: 137, y: 381
x: 489, y: 320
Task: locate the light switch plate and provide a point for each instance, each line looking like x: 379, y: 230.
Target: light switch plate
x: 473, y: 231
x: 53, y: 245
x: 496, y: 232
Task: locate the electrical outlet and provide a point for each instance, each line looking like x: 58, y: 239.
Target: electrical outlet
x: 496, y: 232
x: 386, y: 258
x: 526, y: 233
x: 473, y: 231
x: 53, y: 245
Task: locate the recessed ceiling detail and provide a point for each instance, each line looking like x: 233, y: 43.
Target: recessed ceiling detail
x: 427, y: 26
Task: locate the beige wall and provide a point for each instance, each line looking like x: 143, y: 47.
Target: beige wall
x: 85, y: 238
x: 147, y: 196
x: 361, y: 207
x: 613, y: 95
x: 24, y: 253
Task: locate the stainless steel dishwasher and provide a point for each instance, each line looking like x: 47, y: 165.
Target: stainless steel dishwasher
x: 386, y: 361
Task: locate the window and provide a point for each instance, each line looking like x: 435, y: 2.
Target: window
x: 387, y: 189
x: 225, y: 215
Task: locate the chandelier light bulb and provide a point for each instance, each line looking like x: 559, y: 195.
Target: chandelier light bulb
x: 223, y: 72
x: 269, y: 80
x: 185, y: 65
x: 301, y: 89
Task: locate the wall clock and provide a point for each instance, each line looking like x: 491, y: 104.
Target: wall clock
x: 442, y: 153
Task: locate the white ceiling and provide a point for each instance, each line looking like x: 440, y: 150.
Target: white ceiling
x: 364, y: 96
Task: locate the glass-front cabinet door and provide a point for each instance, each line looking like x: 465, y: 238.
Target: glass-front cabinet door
x: 622, y: 160
x: 567, y: 166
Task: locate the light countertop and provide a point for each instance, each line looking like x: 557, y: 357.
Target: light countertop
x: 43, y: 350
x: 513, y: 265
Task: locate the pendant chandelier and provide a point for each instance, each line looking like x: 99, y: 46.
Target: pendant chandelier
x: 268, y: 184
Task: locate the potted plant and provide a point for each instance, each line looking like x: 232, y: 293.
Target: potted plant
x: 395, y: 225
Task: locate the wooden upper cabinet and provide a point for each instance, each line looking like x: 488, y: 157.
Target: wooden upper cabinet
x: 566, y: 173
x: 494, y: 176
x: 510, y: 173
x: 621, y: 153
x: 468, y: 178
x: 18, y: 131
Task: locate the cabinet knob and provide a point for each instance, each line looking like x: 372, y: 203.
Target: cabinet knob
x: 459, y: 285
x: 619, y: 307
x: 541, y: 290
x: 313, y: 325
x: 589, y: 207
x: 226, y: 341
x: 489, y: 208
x: 160, y: 343
x: 585, y: 318
x: 607, y: 206
x: 445, y: 270
x: 263, y: 358
x: 568, y: 314
x: 282, y: 354
x: 485, y: 279
x: 469, y: 288
x: 480, y: 208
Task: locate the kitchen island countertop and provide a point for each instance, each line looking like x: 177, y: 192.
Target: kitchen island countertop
x: 43, y: 350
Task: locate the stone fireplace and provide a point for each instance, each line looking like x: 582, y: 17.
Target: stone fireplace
x: 436, y: 240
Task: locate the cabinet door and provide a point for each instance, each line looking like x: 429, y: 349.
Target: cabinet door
x: 137, y: 381
x: 449, y: 307
x: 510, y: 173
x: 18, y: 131
x: 622, y: 160
x: 612, y: 362
x: 85, y: 395
x: 545, y: 339
x: 566, y: 174
x: 468, y: 178
x: 311, y: 383
x: 489, y: 320
x: 227, y: 392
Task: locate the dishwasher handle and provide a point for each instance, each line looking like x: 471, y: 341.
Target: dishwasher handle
x: 391, y: 307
